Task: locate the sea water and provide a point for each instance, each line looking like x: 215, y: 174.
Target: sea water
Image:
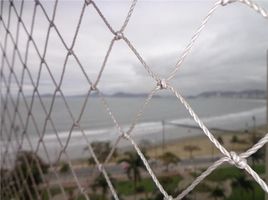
x: 97, y: 124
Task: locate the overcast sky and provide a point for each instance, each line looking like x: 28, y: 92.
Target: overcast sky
x: 229, y: 55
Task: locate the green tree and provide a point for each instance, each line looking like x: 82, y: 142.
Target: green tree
x: 258, y: 156
x: 191, y: 149
x: 5, y: 191
x: 217, y: 193
x: 101, y: 183
x: 71, y: 195
x: 234, y: 139
x: 220, y: 140
x: 169, y: 158
x: 64, y: 168
x: 244, y: 184
x: 26, y: 173
x: 102, y: 150
x: 134, y: 165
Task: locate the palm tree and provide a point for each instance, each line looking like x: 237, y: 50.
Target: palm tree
x: 258, y: 156
x: 6, y: 185
x: 71, y: 194
x: 244, y: 184
x: 217, y: 193
x: 134, y: 164
x: 64, y: 168
x: 234, y: 139
x: 100, y: 182
x: 220, y: 140
x: 169, y: 158
x: 102, y: 150
x: 29, y: 166
x: 191, y: 149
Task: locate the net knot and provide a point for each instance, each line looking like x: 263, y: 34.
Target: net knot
x: 93, y: 87
x: 88, y: 2
x: 162, y: 84
x: 100, y: 167
x: 37, y: 2
x: 42, y: 60
x: 20, y: 89
x: 124, y: 135
x: 35, y: 89
x: 226, y: 2
x: 76, y: 124
x: 57, y: 88
x: 51, y: 24
x: 83, y: 189
x: 70, y: 52
x: 237, y: 160
x: 118, y: 35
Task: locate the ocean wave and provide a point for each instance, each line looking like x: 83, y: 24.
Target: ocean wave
x: 144, y: 128
x: 223, y: 119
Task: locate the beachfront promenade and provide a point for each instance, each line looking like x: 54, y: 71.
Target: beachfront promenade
x: 87, y: 174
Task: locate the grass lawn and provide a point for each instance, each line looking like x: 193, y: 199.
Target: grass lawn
x: 224, y: 173
x: 126, y: 188
x: 259, y: 168
x: 202, y: 187
x: 55, y: 191
x: 240, y: 194
x: 147, y: 185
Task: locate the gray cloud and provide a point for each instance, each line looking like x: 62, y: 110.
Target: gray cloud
x: 229, y: 55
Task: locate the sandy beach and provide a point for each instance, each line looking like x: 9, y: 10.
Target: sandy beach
x: 205, y: 147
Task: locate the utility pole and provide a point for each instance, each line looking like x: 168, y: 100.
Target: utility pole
x: 266, y: 151
x: 163, y: 136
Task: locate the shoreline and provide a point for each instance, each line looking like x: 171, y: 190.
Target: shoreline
x: 207, y: 148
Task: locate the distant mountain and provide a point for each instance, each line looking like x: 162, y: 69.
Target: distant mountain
x: 258, y: 94
x: 131, y: 95
x: 118, y: 94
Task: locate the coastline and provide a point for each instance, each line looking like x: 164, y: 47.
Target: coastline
x: 206, y: 147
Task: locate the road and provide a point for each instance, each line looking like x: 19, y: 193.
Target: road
x: 85, y: 175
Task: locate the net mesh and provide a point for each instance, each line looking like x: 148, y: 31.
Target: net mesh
x: 15, y: 123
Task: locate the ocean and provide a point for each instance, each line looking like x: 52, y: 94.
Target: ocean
x: 220, y: 113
